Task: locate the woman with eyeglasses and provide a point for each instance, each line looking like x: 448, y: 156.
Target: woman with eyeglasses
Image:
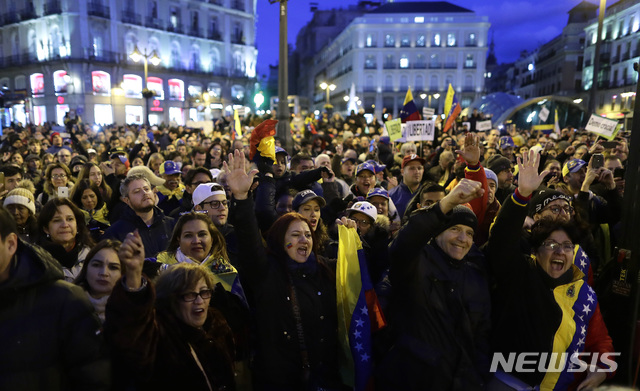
x: 100, y: 273
x: 542, y: 303
x: 56, y: 176
x: 164, y: 335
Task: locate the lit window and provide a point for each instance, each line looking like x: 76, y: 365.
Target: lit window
x: 451, y: 40
x: 418, y: 19
x: 404, y: 62
x: 436, y: 39
x: 420, y: 41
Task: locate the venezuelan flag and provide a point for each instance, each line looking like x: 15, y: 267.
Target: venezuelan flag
x: 454, y: 111
x: 409, y: 111
x: 359, y: 312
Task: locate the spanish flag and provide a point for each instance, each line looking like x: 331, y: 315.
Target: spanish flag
x: 359, y: 312
x: 409, y: 111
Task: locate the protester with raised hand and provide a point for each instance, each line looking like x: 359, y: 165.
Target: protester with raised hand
x: 164, y: 335
x: 440, y: 303
x: 557, y: 311
x: 294, y: 294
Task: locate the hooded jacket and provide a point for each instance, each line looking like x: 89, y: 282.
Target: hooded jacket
x: 50, y: 336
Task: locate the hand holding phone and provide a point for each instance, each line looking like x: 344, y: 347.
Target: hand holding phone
x: 597, y: 161
x: 63, y: 192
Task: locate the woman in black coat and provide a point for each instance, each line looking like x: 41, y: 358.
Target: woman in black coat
x: 294, y: 295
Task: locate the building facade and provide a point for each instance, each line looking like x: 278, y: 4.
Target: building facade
x: 555, y: 68
x: 620, y: 48
x: 63, y: 55
x: 422, y: 45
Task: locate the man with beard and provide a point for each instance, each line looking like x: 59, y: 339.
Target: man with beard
x: 503, y: 168
x: 412, y: 172
x: 143, y: 215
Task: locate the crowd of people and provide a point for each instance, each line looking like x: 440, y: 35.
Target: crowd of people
x: 151, y: 258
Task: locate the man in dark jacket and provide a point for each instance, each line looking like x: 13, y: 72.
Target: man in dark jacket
x: 154, y: 227
x: 440, y: 305
x: 50, y: 336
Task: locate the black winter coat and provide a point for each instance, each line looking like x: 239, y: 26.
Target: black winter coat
x: 278, y: 362
x: 154, y: 237
x: 50, y: 337
x: 440, y: 313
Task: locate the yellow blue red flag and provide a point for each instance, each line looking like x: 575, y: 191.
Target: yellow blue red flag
x: 359, y: 312
x: 409, y: 111
x: 453, y: 112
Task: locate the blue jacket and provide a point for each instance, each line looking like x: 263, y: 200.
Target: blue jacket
x: 401, y: 195
x: 154, y: 237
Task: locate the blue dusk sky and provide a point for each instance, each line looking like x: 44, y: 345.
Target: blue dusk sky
x: 516, y: 24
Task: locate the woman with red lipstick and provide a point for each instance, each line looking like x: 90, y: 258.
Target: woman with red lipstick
x: 164, y: 335
x: 100, y: 273
x: 293, y: 293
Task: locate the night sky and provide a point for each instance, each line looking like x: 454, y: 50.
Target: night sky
x: 516, y: 24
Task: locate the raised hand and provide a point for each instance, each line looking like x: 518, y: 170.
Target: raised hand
x: 347, y: 222
x: 238, y: 179
x: 464, y: 192
x: 528, y: 178
x: 131, y: 255
x: 470, y: 152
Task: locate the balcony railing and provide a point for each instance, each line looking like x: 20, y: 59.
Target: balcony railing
x: 195, y: 32
x: 154, y: 23
x: 216, y: 2
x: 615, y: 59
x: 238, y: 40
x: 470, y: 43
x: 95, y: 9
x: 435, y: 65
x: 10, y: 18
x: 131, y: 18
x: 52, y: 7
x: 450, y: 65
x: 28, y: 14
x: 369, y: 89
x: 625, y: 56
x: 389, y: 66
x: 104, y: 56
x: 215, y: 35
x: 420, y: 66
x: 174, y: 29
x: 470, y: 65
x: 468, y: 89
x: 370, y: 66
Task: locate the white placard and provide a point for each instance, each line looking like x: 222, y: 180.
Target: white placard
x: 428, y: 112
x: 544, y: 114
x: 603, y: 126
x: 482, y: 126
x: 420, y: 130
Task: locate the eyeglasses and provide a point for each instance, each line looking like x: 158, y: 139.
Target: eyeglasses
x: 363, y: 223
x: 59, y: 176
x: 557, y: 209
x: 554, y: 246
x: 191, y: 296
x: 216, y: 204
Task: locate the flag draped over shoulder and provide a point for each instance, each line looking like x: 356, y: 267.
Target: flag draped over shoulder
x: 359, y: 313
x: 452, y: 108
x: 409, y: 111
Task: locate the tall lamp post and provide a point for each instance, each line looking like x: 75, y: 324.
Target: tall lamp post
x: 328, y: 88
x: 136, y: 56
x: 424, y: 96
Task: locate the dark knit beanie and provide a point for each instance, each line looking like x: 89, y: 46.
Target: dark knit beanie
x: 543, y: 198
x: 499, y: 163
x: 460, y: 215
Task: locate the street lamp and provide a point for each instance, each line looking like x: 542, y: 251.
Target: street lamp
x: 328, y: 88
x: 136, y: 56
x: 424, y: 96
